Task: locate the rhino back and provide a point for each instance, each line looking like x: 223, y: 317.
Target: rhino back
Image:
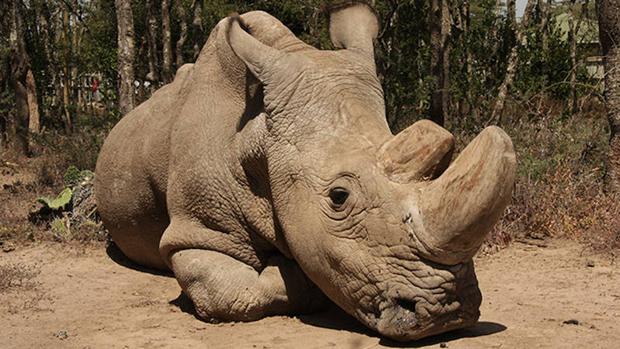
x: 132, y: 173
x: 176, y: 156
x: 207, y: 183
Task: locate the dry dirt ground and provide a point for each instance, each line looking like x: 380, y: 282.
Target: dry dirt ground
x: 76, y: 297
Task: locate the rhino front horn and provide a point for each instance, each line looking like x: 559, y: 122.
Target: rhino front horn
x: 457, y: 210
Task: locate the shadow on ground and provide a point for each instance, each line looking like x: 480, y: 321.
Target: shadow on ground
x: 336, y: 319
x: 185, y: 305
x: 480, y: 329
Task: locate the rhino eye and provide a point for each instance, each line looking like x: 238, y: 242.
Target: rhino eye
x: 338, y: 196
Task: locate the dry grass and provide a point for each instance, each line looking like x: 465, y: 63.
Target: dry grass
x: 21, y: 290
x: 559, y: 189
x: 14, y: 276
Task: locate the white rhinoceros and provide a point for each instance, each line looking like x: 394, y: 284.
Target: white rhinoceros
x: 265, y: 177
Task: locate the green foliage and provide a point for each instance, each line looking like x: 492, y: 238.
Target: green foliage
x: 74, y: 176
x: 546, y: 71
x: 478, y: 56
x: 58, y: 203
x: 79, y: 149
x: 98, y: 51
x: 403, y: 60
x: 60, y: 229
x: 71, y: 176
x: 580, y: 145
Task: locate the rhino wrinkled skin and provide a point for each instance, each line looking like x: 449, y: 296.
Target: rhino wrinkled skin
x: 266, y: 178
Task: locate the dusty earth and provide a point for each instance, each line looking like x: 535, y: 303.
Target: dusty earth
x: 548, y: 296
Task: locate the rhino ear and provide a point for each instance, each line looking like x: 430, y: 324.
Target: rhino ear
x: 353, y: 25
x: 257, y: 56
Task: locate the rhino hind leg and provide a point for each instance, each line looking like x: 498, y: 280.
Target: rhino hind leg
x: 139, y: 241
x: 223, y: 288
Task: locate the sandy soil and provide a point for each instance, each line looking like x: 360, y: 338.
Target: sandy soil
x: 83, y: 298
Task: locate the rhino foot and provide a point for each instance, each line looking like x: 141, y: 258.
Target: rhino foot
x: 225, y: 289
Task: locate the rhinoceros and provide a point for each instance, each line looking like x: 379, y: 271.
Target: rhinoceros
x: 265, y: 177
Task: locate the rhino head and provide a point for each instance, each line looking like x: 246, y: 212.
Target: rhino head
x: 385, y: 225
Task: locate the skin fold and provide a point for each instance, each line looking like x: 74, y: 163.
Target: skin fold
x: 266, y: 178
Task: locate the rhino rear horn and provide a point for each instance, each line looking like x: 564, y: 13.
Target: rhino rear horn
x: 421, y: 151
x: 353, y: 25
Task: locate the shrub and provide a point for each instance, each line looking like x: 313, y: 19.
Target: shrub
x: 559, y: 189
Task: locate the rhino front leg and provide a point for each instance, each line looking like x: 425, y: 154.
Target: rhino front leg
x: 223, y: 288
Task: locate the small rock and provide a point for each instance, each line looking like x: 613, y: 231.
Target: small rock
x: 7, y: 247
x: 443, y: 345
x: 590, y: 263
x: 62, y: 335
x: 571, y: 322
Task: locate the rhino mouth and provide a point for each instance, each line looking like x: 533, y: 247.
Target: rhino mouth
x: 406, y: 314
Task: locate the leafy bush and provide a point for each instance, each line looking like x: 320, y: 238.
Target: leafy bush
x: 58, y: 203
x: 74, y: 176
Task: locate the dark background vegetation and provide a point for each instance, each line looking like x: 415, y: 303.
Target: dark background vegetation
x: 438, y: 59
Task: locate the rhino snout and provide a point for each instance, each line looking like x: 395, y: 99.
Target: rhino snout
x: 412, y: 317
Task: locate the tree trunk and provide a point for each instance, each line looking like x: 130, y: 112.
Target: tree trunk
x: 609, y: 32
x: 574, y: 26
x: 66, y: 82
x: 467, y: 59
x: 167, y: 41
x: 73, y: 78
x: 466, y: 28
x: 511, y: 16
x: 511, y: 69
x: 572, y: 41
x: 495, y: 38
x: 17, y: 123
x: 151, y: 39
x: 42, y: 16
x: 544, y: 6
x: 125, y: 55
x: 545, y: 16
x: 445, y: 56
x: 34, y: 122
x: 440, y: 59
x: 197, y: 29
x: 183, y: 32
x: 17, y: 128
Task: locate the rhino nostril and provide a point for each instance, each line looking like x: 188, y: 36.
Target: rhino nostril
x: 406, y: 304
x: 399, y: 318
x: 408, y: 218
